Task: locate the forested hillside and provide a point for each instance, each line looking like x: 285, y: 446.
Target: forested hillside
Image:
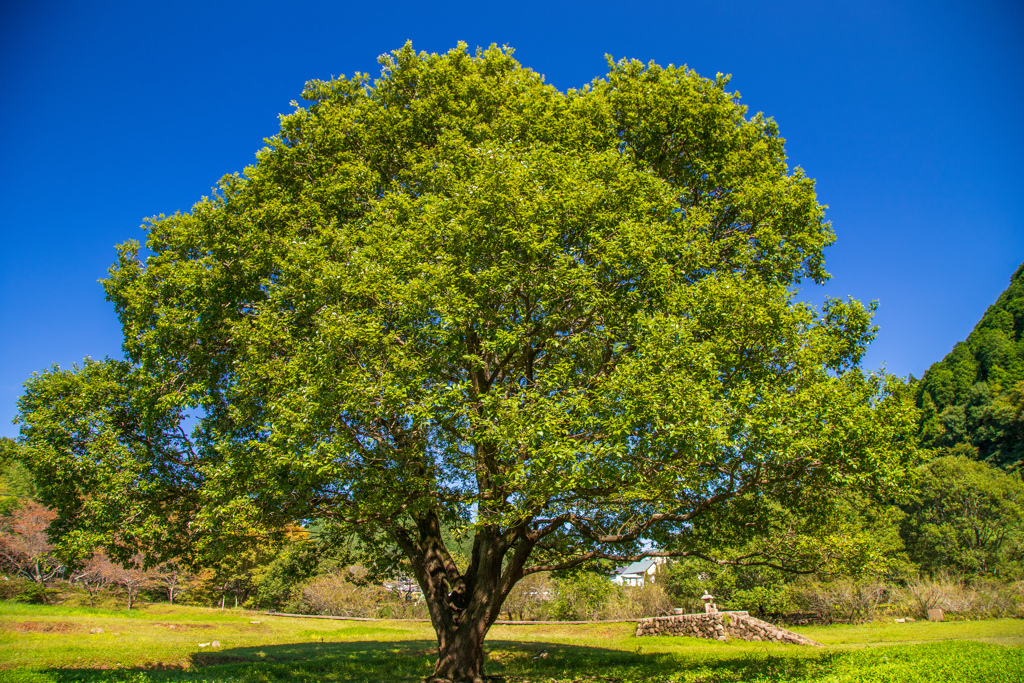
x: 973, y: 399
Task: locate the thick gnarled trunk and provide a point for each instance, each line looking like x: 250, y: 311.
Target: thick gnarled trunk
x: 466, y: 616
x: 462, y: 605
x: 461, y: 655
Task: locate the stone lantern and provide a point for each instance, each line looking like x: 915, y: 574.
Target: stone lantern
x: 709, y: 607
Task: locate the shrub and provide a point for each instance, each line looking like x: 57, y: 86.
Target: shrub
x: 580, y: 596
x: 982, y: 599
x: 762, y: 601
x: 530, y: 598
x: 635, y: 602
x: 347, y: 594
x: 22, y: 590
x: 10, y: 588
x: 336, y: 595
x: 844, y: 599
x: 588, y: 596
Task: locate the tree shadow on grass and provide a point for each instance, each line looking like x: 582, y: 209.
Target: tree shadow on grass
x: 540, y: 661
x: 410, y: 660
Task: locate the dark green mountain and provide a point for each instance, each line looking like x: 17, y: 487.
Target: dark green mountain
x: 973, y: 399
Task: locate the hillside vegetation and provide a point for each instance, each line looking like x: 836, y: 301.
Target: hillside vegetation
x: 973, y: 399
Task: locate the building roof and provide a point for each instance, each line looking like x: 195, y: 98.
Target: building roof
x: 640, y: 567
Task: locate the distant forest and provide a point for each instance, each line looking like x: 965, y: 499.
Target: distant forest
x: 972, y: 401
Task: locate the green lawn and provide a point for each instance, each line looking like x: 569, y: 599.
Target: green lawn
x: 54, y: 645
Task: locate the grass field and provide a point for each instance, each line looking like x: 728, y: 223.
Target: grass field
x: 40, y: 644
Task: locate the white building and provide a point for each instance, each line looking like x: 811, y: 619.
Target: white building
x: 639, y: 573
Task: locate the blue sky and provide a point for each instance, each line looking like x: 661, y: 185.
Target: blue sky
x: 906, y: 114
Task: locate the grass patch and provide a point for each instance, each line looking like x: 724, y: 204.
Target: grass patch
x: 159, y: 643
x: 144, y: 611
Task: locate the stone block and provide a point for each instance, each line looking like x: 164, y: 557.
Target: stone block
x: 935, y: 615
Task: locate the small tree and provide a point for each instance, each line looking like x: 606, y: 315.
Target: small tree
x: 564, y: 324
x: 132, y: 577
x: 171, y: 576
x: 96, y: 574
x: 25, y: 548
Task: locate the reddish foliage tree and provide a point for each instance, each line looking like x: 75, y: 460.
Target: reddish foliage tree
x: 132, y: 578
x: 25, y: 549
x: 95, y: 575
x: 172, y: 578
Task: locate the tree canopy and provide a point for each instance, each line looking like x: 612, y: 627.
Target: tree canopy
x: 563, y: 324
x: 966, y: 517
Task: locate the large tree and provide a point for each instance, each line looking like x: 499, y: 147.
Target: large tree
x: 966, y: 517
x: 456, y: 298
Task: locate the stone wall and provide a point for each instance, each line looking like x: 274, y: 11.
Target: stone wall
x: 719, y: 626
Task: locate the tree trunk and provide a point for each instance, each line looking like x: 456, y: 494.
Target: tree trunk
x: 462, y: 605
x: 461, y: 657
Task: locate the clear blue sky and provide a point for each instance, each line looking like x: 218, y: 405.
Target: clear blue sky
x: 907, y: 114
